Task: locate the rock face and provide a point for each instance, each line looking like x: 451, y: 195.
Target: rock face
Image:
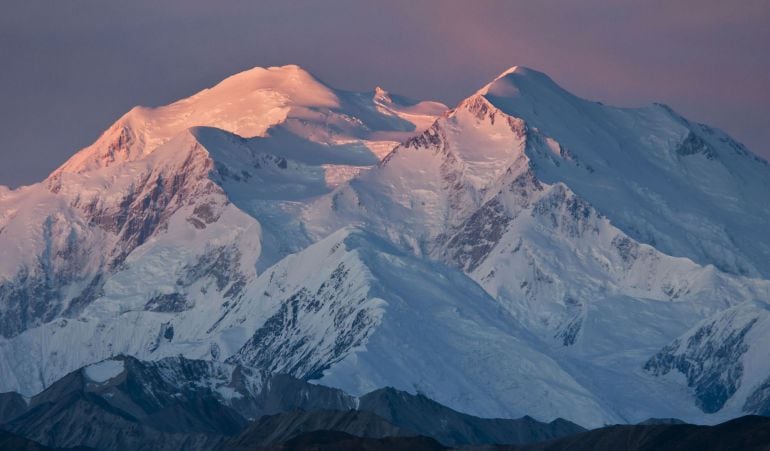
x: 283, y: 337
x: 337, y: 440
x: 525, y: 253
x: 722, y: 359
x: 711, y: 361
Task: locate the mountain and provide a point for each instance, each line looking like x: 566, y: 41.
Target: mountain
x: 478, y: 191
x: 276, y: 429
x: 357, y: 313
x: 117, y: 222
x: 680, y: 186
x: 337, y: 440
x: 428, y: 418
x: 252, y: 104
x: 745, y: 433
x: 388, y: 412
x: 176, y: 403
x: 527, y: 252
x: 346, y: 311
x: 153, y: 171
x: 9, y: 440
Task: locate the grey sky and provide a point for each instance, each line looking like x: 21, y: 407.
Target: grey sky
x: 69, y: 68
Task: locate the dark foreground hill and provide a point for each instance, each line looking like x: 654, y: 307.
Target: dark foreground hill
x: 341, y: 441
x: 177, y: 403
x: 746, y: 433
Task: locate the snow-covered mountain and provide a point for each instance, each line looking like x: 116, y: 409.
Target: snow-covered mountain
x: 525, y: 253
x: 156, y: 175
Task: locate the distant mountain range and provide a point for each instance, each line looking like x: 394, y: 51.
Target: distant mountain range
x: 527, y: 252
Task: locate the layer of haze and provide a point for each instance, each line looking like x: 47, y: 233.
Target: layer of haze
x: 70, y: 68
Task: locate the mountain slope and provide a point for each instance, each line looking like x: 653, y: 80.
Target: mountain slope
x: 388, y: 412
x: 679, y: 186
x: 345, y: 310
x: 349, y: 309
x: 174, y: 217
x: 723, y: 359
x: 11, y: 405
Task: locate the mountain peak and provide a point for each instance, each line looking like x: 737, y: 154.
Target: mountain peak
x: 287, y: 70
x: 526, y: 93
x: 273, y: 73
x: 291, y: 82
x: 523, y: 72
x: 381, y: 95
x: 512, y: 70
x: 511, y: 83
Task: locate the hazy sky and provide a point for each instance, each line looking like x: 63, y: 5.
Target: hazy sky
x: 69, y: 68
